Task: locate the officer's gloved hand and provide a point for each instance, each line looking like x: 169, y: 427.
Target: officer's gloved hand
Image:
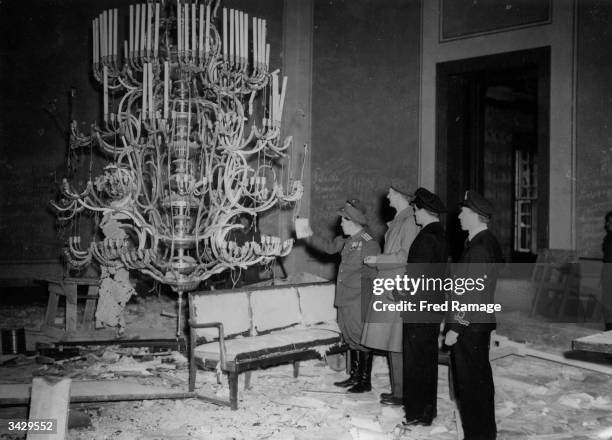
x: 302, y: 228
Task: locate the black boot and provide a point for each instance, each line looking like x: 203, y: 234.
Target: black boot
x: 365, y: 373
x: 353, y: 371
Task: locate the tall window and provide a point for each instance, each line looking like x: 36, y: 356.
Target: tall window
x: 525, y: 198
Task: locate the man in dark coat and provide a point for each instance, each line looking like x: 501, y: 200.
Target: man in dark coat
x: 427, y: 258
x: 469, y: 329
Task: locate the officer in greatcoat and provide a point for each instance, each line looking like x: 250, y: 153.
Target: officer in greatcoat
x: 383, y: 330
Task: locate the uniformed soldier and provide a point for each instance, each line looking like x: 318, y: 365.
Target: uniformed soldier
x: 427, y: 257
x: 469, y: 332
x: 353, y: 287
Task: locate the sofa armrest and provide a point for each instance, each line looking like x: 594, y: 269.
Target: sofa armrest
x: 219, y: 325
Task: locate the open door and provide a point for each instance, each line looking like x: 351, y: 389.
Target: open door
x: 493, y: 137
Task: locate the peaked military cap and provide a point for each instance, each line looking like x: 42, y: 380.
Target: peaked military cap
x: 427, y: 200
x: 354, y: 210
x: 478, y: 204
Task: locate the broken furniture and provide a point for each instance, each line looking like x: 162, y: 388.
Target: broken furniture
x: 235, y: 331
x: 68, y: 289
x: 554, y: 276
x: 564, y: 287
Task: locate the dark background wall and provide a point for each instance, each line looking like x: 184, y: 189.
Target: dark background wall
x: 45, y: 52
x: 593, y: 124
x: 365, y: 104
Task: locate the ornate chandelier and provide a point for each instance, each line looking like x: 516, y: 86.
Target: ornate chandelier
x: 186, y: 154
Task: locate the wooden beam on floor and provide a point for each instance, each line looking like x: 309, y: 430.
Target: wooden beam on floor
x: 522, y: 350
x: 95, y: 391
x: 604, y: 369
x: 50, y: 401
x: 500, y: 352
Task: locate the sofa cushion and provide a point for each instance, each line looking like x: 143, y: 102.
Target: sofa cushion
x: 317, y: 303
x: 275, y: 308
x: 230, y: 308
x: 257, y: 347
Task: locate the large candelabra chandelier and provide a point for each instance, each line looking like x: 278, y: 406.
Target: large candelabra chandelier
x: 183, y: 163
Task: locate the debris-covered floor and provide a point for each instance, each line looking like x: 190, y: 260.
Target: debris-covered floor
x: 535, y: 398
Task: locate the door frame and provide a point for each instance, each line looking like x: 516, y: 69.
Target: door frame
x: 539, y: 59
x: 560, y: 35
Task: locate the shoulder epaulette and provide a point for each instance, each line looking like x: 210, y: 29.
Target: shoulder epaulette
x: 366, y: 236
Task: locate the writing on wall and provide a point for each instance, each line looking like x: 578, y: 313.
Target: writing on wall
x: 594, y: 200
x: 337, y: 180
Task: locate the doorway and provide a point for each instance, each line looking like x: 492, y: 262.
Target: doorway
x: 493, y: 136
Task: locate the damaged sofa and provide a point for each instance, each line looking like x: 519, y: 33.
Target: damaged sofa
x: 236, y: 331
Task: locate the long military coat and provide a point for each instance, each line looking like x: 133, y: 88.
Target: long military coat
x: 383, y: 330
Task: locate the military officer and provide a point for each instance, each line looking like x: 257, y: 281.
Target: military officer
x: 469, y: 332
x: 353, y: 288
x: 383, y: 330
x: 427, y: 257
